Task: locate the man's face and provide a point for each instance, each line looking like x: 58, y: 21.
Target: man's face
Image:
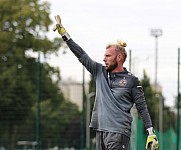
x: 110, y: 59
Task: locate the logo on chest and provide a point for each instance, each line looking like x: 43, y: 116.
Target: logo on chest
x: 123, y: 82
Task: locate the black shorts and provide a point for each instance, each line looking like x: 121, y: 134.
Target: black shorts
x: 111, y: 141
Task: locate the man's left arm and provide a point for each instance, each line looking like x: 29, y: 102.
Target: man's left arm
x: 139, y: 99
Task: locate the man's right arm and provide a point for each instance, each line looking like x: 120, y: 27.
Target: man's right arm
x: 86, y: 61
x: 83, y: 57
x: 75, y: 48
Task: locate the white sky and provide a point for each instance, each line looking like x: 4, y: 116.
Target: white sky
x: 95, y: 23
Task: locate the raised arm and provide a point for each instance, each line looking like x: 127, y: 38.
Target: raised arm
x: 86, y: 61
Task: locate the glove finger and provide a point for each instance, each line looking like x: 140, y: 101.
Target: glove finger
x: 155, y: 145
x: 54, y: 28
x: 147, y: 145
x: 58, y: 19
x: 55, y: 18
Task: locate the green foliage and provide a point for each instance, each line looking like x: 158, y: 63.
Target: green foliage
x: 23, y: 28
x: 169, y: 119
x: 61, y: 117
x: 151, y: 100
x: 153, y: 97
x: 92, y: 85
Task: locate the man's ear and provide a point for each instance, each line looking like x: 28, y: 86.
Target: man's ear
x: 119, y: 57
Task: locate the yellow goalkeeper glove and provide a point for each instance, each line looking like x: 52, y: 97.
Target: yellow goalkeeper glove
x: 152, y: 139
x: 61, y: 29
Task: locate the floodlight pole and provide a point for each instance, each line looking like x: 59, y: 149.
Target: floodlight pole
x: 157, y: 33
x: 178, y: 102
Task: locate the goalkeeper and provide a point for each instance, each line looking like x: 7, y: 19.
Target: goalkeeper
x: 116, y: 92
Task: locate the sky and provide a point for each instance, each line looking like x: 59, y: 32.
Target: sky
x: 95, y: 23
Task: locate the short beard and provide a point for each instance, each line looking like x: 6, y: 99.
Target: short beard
x: 112, y: 67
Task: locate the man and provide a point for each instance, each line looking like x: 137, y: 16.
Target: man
x: 116, y: 92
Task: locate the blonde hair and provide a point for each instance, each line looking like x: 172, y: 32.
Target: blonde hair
x: 119, y: 47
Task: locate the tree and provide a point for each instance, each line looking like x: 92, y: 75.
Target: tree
x: 152, y: 99
x: 92, y: 84
x: 23, y: 28
x: 63, y: 130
